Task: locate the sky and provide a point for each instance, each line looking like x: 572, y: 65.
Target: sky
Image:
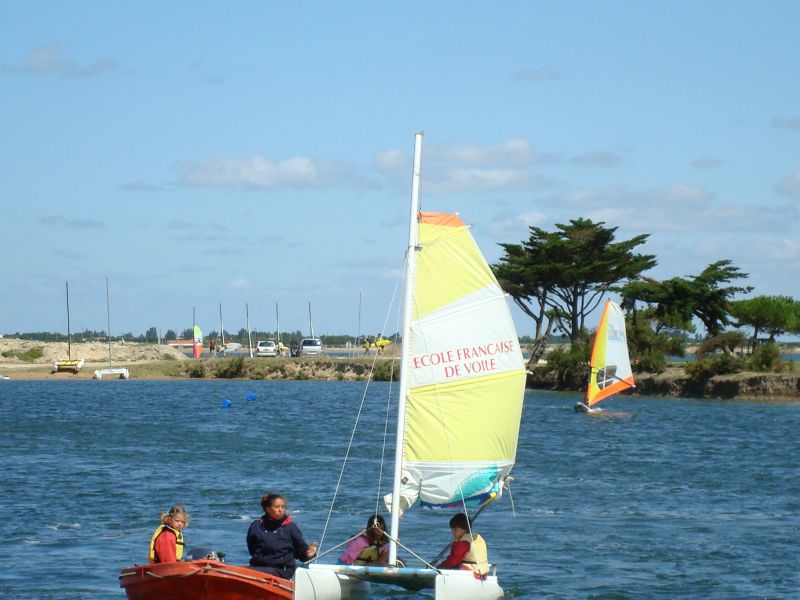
x: 247, y: 154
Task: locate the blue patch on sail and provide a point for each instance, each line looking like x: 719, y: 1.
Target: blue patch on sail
x: 474, y: 491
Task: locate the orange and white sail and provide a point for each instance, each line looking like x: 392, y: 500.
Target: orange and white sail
x: 611, y: 365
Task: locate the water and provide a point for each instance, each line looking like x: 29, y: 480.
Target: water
x: 675, y: 499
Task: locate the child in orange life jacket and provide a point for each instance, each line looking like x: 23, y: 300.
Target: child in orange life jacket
x: 468, y: 550
x: 166, y: 545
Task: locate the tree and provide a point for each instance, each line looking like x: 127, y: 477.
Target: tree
x: 711, y: 300
x: 678, y: 300
x: 558, y: 278
x: 774, y: 315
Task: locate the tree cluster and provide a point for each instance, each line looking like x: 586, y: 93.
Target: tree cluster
x: 560, y: 277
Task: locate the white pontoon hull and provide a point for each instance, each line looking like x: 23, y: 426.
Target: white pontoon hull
x: 343, y: 582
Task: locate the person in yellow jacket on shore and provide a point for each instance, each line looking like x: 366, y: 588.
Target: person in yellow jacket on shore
x: 166, y: 545
x: 468, y: 550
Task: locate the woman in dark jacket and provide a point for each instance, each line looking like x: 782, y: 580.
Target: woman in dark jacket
x: 275, y: 541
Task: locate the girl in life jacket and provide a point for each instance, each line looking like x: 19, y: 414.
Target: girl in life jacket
x: 166, y: 545
x: 468, y: 550
x: 371, y: 548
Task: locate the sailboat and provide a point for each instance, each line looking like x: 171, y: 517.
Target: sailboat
x: 279, y: 346
x: 197, y: 341
x: 462, y: 383
x: 73, y: 366
x: 119, y: 372
x: 611, y: 366
x: 222, y: 346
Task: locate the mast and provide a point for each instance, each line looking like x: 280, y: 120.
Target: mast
x: 108, y: 314
x: 411, y: 265
x: 247, y: 318
x: 69, y: 333
x: 277, y: 325
x: 310, y: 324
x: 221, y: 344
x: 358, y: 337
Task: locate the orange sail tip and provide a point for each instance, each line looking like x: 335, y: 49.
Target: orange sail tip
x: 440, y: 219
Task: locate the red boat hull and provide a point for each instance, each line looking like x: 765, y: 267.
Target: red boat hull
x: 202, y: 580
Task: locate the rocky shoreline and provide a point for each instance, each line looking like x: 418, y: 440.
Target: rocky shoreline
x: 674, y: 383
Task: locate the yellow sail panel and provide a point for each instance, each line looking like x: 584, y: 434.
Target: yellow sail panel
x: 476, y: 420
x: 449, y: 266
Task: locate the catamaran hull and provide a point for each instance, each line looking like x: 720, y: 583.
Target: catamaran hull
x: 202, y: 580
x: 339, y: 582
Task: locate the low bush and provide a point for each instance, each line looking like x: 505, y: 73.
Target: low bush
x: 231, y: 369
x: 707, y: 367
x: 766, y: 357
x: 32, y: 354
x: 385, y: 370
x: 196, y: 371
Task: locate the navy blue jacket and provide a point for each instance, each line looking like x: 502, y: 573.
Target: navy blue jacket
x: 274, y: 543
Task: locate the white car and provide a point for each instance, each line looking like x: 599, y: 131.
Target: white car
x: 310, y: 347
x: 266, y: 348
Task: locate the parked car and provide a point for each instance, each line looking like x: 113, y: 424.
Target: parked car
x: 310, y: 347
x: 266, y: 348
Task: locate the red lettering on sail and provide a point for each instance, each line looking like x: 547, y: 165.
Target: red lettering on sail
x: 464, y: 360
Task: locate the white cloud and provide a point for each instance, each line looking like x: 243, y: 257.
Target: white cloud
x: 50, y: 60
x: 512, y: 226
x: 790, y: 185
x: 239, y: 283
x: 481, y: 180
x: 706, y: 162
x: 513, y: 152
x: 257, y: 171
x: 599, y: 158
x: 140, y: 186
x: 790, y: 123
x: 537, y: 74
x: 388, y: 161
x: 55, y: 220
x: 674, y: 208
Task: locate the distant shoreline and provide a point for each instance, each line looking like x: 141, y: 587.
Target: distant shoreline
x: 151, y: 362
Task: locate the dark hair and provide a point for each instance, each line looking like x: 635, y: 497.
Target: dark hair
x: 461, y: 521
x: 376, y: 521
x: 268, y: 499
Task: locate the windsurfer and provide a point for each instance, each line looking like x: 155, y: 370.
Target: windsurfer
x: 468, y: 550
x: 275, y: 541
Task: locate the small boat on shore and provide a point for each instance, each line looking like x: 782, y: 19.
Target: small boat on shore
x: 202, y: 580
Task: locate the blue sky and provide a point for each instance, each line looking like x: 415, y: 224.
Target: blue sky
x: 197, y: 153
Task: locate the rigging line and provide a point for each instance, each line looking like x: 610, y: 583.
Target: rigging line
x: 352, y: 435
x: 388, y: 396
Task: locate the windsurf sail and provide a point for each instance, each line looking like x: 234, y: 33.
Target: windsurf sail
x: 464, y: 373
x: 611, y: 365
x: 197, y: 346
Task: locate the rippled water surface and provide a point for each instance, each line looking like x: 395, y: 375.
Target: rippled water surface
x: 655, y: 498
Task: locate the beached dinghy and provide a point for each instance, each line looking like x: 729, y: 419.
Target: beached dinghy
x: 462, y: 382
x: 610, y: 362
x: 202, y: 580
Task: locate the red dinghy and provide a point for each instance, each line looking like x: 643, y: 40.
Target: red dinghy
x: 202, y: 580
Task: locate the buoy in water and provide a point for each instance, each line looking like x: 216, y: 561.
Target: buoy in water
x: 226, y: 403
x: 251, y: 396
